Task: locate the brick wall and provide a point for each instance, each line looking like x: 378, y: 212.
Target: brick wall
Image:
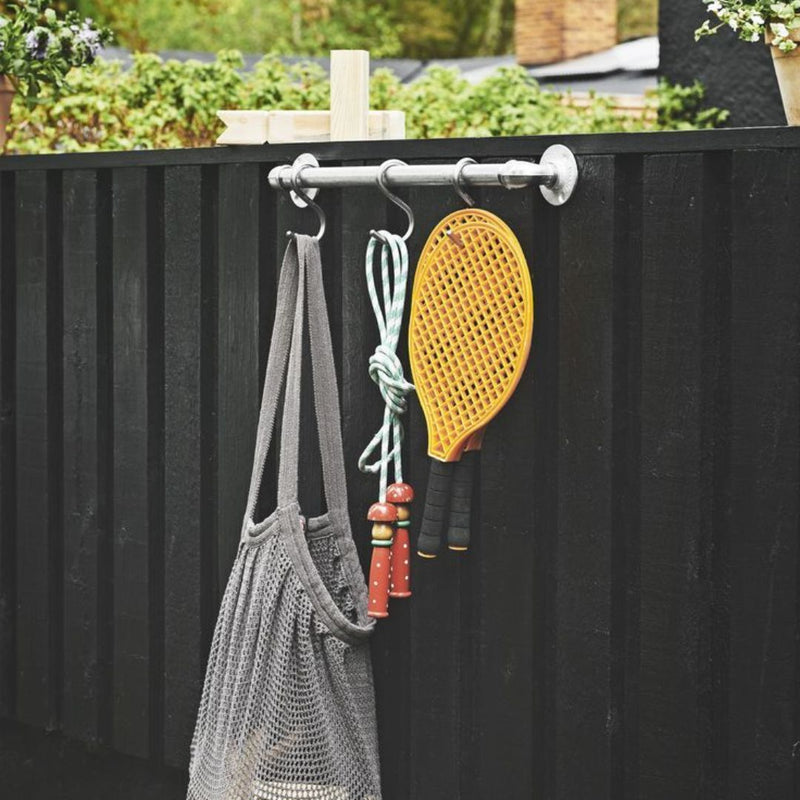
x: 553, y: 30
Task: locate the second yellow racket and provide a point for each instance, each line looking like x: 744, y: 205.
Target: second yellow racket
x: 469, y: 338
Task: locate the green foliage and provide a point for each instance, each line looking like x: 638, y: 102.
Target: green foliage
x: 511, y: 103
x: 296, y: 27
x: 173, y: 104
x: 637, y: 18
x: 752, y: 19
x: 38, y: 48
x: 387, y: 28
x: 683, y: 108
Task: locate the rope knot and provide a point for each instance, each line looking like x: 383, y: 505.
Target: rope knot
x: 386, y: 371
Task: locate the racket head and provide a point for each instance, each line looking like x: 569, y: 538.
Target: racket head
x: 470, y: 328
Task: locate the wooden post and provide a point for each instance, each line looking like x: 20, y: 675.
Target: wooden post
x: 349, y: 95
x: 348, y: 120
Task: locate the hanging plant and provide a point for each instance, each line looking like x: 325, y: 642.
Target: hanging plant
x: 779, y: 25
x: 753, y: 20
x: 38, y: 48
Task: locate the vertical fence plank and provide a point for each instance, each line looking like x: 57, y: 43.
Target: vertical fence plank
x: 675, y: 522
x: 362, y: 411
x: 436, y: 607
x: 584, y: 717
x: 81, y: 566
x: 8, y: 501
x: 764, y: 464
x: 132, y: 499
x: 237, y: 354
x: 714, y: 634
x: 105, y: 454
x: 209, y: 282
x: 497, y: 706
x: 38, y: 661
x: 185, y: 548
x: 626, y: 479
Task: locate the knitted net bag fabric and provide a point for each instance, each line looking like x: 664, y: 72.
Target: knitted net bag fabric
x: 288, y: 706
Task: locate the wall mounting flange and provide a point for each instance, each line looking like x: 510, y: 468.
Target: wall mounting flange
x: 563, y: 163
x: 303, y: 160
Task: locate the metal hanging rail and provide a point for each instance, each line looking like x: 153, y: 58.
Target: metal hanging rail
x: 556, y: 174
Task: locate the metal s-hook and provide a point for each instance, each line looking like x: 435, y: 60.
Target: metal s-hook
x: 381, y: 180
x: 458, y: 180
x: 304, y: 199
x: 458, y: 184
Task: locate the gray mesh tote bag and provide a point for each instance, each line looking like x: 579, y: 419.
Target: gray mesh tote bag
x: 288, y: 706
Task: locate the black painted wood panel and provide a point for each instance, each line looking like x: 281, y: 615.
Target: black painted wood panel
x: 237, y: 349
x: 764, y: 474
x: 585, y: 716
x: 8, y: 500
x: 674, y: 500
x: 186, y: 552
x: 436, y: 609
x: 625, y: 623
x: 39, y: 539
x: 82, y: 566
x: 137, y: 462
x: 499, y: 670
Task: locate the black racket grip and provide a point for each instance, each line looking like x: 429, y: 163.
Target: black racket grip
x: 461, y: 502
x: 437, y: 500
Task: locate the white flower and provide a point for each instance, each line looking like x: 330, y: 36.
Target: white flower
x: 779, y: 29
x: 716, y: 6
x: 89, y: 37
x: 38, y: 42
x: 757, y: 19
x: 734, y: 23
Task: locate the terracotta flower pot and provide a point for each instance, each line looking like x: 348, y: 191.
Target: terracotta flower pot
x: 787, y: 69
x: 6, y: 96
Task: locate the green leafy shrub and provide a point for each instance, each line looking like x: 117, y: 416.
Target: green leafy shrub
x: 636, y: 18
x: 387, y: 28
x: 38, y: 48
x: 683, y: 107
x: 305, y: 27
x: 159, y: 103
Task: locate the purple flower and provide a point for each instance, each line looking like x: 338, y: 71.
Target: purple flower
x: 90, y: 39
x: 37, y: 42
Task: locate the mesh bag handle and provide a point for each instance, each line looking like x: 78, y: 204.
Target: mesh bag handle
x: 277, y: 361
x: 300, y: 294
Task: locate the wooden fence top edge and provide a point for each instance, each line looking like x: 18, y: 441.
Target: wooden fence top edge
x: 416, y: 149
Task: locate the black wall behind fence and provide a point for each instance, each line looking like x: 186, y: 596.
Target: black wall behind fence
x: 738, y: 76
x: 626, y: 625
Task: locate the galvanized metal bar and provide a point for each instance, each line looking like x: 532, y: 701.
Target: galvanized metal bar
x: 556, y: 173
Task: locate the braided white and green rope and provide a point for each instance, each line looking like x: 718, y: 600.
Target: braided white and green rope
x: 385, y: 368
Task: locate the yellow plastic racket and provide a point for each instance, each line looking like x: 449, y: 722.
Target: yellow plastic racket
x: 469, y: 338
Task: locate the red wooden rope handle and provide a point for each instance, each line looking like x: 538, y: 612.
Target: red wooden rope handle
x: 379, y: 571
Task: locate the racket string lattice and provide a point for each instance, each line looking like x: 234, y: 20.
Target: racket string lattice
x: 471, y: 326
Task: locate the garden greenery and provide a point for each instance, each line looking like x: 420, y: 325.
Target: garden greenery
x: 752, y: 19
x: 158, y: 103
x: 422, y: 29
x: 38, y: 48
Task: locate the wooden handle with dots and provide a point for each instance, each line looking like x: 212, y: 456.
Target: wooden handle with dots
x: 379, y: 575
x: 400, y: 584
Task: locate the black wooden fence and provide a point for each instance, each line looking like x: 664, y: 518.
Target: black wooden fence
x: 626, y: 625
